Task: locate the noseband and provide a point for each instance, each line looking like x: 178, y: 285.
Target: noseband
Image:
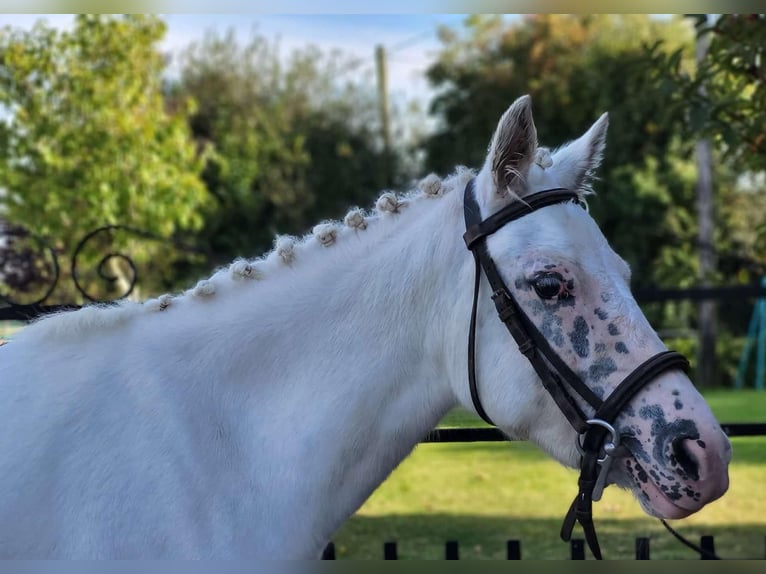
x: 598, y: 441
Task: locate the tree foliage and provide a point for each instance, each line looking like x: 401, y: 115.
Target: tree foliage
x: 660, y: 100
x: 724, y: 99
x: 85, y: 137
x: 726, y: 96
x: 575, y: 68
x: 294, y: 140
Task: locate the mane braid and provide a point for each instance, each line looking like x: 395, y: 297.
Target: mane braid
x: 286, y: 253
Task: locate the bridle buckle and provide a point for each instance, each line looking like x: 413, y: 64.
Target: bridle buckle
x: 610, y: 449
x: 610, y: 446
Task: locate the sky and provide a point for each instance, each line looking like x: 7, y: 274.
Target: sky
x: 410, y: 39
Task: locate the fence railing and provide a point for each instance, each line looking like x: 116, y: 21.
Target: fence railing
x: 30, y: 271
x: 390, y: 550
x: 491, y: 434
x: 18, y: 312
x: 31, y: 268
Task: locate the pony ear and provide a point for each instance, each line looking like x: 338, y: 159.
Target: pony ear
x: 511, y: 153
x: 575, y: 164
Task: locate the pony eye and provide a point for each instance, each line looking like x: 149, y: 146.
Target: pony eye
x: 547, y: 286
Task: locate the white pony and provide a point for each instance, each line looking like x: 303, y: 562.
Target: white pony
x: 252, y: 415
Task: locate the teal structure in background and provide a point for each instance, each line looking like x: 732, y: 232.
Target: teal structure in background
x: 756, y: 337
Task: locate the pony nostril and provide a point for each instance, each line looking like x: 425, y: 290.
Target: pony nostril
x: 684, y: 457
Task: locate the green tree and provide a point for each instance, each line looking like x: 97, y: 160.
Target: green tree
x: 86, y: 139
x: 726, y: 96
x: 294, y: 139
x: 642, y: 71
x: 575, y: 68
x: 724, y: 100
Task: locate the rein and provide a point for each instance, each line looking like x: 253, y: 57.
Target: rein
x: 598, y: 441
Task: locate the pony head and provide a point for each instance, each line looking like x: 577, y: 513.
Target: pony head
x: 575, y: 290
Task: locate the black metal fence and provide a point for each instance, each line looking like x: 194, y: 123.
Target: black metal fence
x: 31, y: 268
x: 390, y: 549
x: 25, y: 312
x: 30, y: 271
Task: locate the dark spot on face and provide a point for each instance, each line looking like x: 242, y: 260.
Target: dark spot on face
x: 701, y: 443
x: 675, y: 393
x: 601, y: 314
x: 551, y: 323
x: 579, y: 337
x: 566, y: 300
x: 673, y: 494
x: 551, y: 329
x: 537, y: 307
x: 605, y: 297
x: 665, y: 433
x: 601, y: 369
x: 678, y: 405
x: 599, y: 390
x: 599, y: 347
x: 621, y: 348
x: 651, y: 412
x: 613, y: 330
x: 667, y: 477
x: 570, y: 285
x: 550, y: 266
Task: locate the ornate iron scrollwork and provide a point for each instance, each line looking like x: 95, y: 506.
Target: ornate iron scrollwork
x: 30, y: 271
x: 105, y: 267
x: 29, y: 267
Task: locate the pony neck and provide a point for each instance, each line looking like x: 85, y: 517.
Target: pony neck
x: 367, y: 374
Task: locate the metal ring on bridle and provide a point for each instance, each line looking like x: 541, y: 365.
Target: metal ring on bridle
x: 609, y: 446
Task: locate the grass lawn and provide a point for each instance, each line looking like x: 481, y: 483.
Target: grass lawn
x: 483, y: 494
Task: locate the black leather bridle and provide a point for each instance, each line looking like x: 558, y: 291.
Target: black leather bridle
x: 598, y: 441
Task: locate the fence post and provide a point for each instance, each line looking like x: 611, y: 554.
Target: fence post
x: 329, y: 552
x: 513, y: 550
x: 708, y: 548
x: 451, y: 550
x: 642, y: 548
x: 389, y: 551
x: 578, y: 549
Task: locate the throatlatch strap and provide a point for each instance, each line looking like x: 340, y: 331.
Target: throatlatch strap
x: 472, y: 385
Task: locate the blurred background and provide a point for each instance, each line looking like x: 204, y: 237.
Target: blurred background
x: 211, y: 133
x: 180, y: 142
